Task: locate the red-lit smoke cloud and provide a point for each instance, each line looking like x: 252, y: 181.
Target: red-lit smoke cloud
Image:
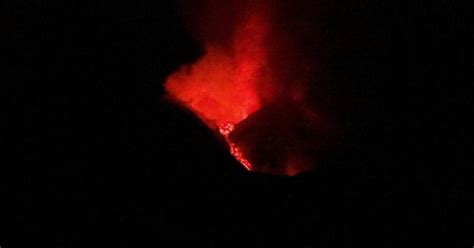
x: 251, y: 85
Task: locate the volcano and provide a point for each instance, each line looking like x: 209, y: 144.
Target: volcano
x: 238, y: 90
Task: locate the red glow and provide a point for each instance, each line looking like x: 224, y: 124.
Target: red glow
x: 221, y: 88
x: 248, y: 88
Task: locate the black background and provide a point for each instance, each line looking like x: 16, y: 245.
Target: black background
x: 95, y: 157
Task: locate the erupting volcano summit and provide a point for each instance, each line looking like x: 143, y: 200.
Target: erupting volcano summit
x: 240, y: 89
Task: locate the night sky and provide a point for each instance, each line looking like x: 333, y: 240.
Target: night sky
x: 95, y: 156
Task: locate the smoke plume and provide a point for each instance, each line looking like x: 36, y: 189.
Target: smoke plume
x: 252, y: 84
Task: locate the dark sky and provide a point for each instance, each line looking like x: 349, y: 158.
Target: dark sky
x: 95, y: 157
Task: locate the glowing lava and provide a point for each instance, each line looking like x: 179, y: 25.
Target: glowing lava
x: 225, y: 130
